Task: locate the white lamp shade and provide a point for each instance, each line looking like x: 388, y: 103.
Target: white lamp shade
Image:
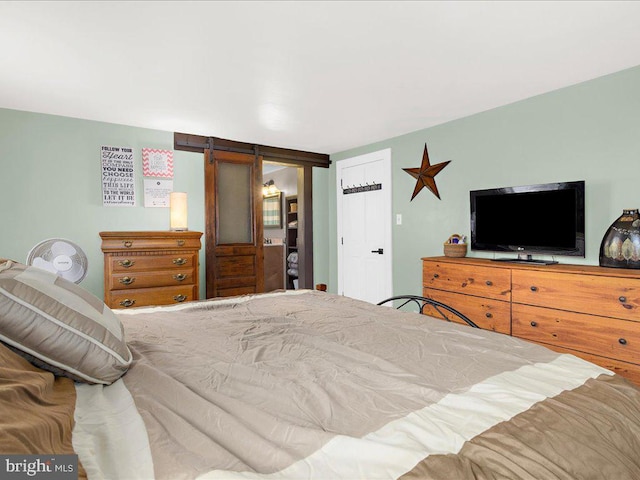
x: 178, y: 211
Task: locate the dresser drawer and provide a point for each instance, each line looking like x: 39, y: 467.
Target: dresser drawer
x: 487, y: 313
x: 468, y: 279
x: 628, y: 370
x: 134, y: 243
x: 151, y: 296
x: 162, y: 278
x: 606, y: 337
x: 605, y: 296
x: 141, y: 263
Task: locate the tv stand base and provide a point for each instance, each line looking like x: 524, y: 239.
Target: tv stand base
x: 523, y: 258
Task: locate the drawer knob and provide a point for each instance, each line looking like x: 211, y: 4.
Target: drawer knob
x: 179, y: 261
x: 180, y: 243
x: 622, y: 341
x: 488, y: 315
x: 622, y: 299
x: 436, y: 275
x: 180, y: 298
x: 127, y: 243
x: 126, y: 303
x: 534, y: 324
x: 534, y: 288
x: 179, y: 277
x: 489, y: 283
x: 127, y: 280
x: 126, y: 263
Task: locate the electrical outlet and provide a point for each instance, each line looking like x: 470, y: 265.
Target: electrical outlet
x: 398, y: 219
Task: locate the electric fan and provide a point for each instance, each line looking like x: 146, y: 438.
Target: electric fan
x: 61, y: 257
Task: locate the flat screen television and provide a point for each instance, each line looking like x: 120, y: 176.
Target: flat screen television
x: 545, y: 219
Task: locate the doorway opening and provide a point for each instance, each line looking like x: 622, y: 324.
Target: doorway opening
x: 282, y: 261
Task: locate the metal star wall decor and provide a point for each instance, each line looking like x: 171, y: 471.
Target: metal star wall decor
x: 425, y: 174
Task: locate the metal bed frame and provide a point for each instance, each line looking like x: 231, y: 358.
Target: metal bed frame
x: 421, y: 302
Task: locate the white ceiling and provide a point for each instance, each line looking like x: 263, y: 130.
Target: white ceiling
x: 317, y: 76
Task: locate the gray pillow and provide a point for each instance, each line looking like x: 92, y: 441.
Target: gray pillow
x: 59, y: 326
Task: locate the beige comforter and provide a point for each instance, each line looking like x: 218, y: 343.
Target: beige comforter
x: 312, y: 385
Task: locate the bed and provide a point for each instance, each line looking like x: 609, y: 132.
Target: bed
x: 297, y: 385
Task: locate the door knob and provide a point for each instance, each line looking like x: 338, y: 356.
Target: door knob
x: 379, y: 251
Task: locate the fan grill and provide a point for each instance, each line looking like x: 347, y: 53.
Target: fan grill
x: 60, y: 256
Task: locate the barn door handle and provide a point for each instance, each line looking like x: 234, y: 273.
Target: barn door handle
x: 379, y: 251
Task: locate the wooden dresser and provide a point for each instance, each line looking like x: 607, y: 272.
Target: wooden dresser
x: 589, y: 311
x: 150, y: 268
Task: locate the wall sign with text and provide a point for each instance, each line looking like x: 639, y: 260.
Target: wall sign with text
x: 118, y: 177
x: 156, y: 192
x: 157, y: 163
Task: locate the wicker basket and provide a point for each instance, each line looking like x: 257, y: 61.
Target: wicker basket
x: 455, y: 249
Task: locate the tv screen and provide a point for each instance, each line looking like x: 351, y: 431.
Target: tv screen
x: 532, y: 219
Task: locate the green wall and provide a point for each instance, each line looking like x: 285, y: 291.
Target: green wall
x: 50, y: 185
x: 590, y: 131
x: 323, y: 242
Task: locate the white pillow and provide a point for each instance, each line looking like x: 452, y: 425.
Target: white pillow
x: 59, y: 326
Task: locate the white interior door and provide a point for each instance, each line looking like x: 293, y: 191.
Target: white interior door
x: 364, y: 226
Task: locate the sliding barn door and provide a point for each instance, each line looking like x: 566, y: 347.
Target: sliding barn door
x: 233, y: 199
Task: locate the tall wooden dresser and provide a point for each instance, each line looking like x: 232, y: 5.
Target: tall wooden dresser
x: 150, y: 268
x: 589, y: 311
